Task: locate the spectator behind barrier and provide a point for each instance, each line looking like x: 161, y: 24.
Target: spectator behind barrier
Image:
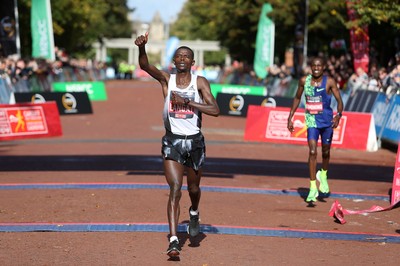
x: 38, y: 74
x: 358, y: 81
x: 27, y: 75
x: 394, y: 87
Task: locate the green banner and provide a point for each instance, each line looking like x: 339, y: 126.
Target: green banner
x: 42, y: 30
x: 96, y: 90
x: 265, y: 43
x: 237, y: 89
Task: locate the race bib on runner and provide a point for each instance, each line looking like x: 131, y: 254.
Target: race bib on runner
x: 314, y: 104
x: 180, y: 110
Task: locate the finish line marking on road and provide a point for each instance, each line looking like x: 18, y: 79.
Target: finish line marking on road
x: 210, y: 229
x: 285, y: 192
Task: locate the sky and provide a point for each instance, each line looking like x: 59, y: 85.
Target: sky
x: 146, y: 9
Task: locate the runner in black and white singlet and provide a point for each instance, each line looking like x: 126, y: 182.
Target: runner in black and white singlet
x: 182, y: 119
x: 183, y: 141
x: 318, y: 90
x: 186, y: 98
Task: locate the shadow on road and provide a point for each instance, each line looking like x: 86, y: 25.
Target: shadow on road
x: 215, y: 167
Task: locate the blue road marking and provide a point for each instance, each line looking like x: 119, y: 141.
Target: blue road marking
x: 242, y: 190
x: 207, y: 229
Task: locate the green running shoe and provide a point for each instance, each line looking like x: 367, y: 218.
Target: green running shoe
x: 323, y: 181
x: 312, y: 195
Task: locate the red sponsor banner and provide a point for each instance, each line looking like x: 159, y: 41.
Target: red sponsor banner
x: 29, y: 120
x: 396, y: 178
x: 269, y: 124
x: 337, y: 211
x: 359, y: 41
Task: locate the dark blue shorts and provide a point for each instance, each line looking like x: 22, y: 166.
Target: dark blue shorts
x: 187, y: 150
x: 326, y: 134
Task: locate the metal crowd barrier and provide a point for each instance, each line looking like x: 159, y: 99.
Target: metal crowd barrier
x: 42, y: 83
x: 5, y: 90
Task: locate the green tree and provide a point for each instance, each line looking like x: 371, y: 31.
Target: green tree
x: 77, y: 24
x: 375, y: 11
x: 234, y: 23
x: 383, y: 21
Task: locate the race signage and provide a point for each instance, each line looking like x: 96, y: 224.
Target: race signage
x: 237, y: 104
x: 95, y: 89
x: 20, y: 121
x: 355, y: 130
x: 237, y: 89
x: 68, y: 103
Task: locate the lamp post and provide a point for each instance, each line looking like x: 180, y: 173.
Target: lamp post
x: 305, y: 34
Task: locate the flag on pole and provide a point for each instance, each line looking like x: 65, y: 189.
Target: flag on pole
x: 359, y: 41
x: 172, y: 45
x: 42, y: 30
x: 265, y: 43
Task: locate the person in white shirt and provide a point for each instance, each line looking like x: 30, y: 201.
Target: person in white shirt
x: 186, y: 98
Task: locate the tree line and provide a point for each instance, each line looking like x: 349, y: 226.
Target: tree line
x: 77, y: 24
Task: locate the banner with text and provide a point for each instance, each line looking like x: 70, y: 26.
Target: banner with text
x: 68, y: 103
x: 22, y: 121
x: 265, y: 43
x: 361, y: 101
x: 237, y: 89
x: 265, y: 124
x: 237, y: 104
x: 95, y: 89
x: 387, y: 117
x: 396, y: 179
x: 359, y: 41
x: 42, y: 30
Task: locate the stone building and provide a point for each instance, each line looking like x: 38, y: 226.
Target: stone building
x: 158, y: 36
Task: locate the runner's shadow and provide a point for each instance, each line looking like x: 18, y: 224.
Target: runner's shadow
x: 193, y: 242
x: 152, y: 165
x: 177, y: 258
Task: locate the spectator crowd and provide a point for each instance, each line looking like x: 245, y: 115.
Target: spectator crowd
x: 27, y: 75
x: 34, y: 75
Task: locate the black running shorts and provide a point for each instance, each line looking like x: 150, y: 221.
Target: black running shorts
x: 187, y: 150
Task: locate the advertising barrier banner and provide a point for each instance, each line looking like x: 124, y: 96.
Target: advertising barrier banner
x: 95, y: 89
x: 265, y: 124
x: 391, y: 130
x: 363, y: 101
x: 237, y: 89
x: 396, y: 180
x: 237, y: 104
x: 68, y: 103
x: 387, y: 118
x: 22, y: 121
